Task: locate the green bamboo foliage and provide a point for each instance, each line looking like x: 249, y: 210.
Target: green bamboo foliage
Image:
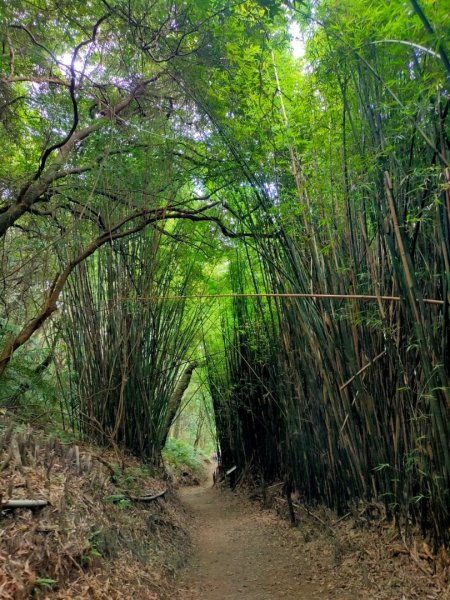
x: 127, y: 348
x: 249, y: 416
x: 357, y: 393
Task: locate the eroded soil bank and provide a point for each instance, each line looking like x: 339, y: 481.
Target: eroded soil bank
x: 245, y: 552
x: 90, y: 540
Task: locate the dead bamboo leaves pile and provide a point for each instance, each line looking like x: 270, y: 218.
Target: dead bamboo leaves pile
x: 83, y: 544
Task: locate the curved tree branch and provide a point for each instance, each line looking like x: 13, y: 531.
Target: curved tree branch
x: 33, y: 190
x: 143, y: 218
x: 72, y: 97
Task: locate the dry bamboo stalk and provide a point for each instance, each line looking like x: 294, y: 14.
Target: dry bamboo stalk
x: 401, y: 247
x: 149, y: 498
x: 368, y: 297
x: 145, y: 498
x: 348, y: 382
x: 13, y: 504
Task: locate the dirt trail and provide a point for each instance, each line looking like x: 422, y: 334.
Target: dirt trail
x: 242, y: 552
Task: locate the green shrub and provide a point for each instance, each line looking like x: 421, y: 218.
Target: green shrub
x: 181, y: 456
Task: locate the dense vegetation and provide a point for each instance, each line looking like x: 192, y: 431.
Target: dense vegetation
x: 181, y: 194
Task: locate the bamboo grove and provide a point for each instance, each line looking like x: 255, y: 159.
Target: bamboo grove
x: 160, y: 153
x: 349, y: 399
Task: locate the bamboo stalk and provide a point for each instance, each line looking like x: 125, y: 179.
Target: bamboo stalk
x: 367, y: 297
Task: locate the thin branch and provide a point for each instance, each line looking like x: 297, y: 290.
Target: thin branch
x: 442, y: 50
x: 72, y: 97
x: 32, y: 79
x: 35, y: 42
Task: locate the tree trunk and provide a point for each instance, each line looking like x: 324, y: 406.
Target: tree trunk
x: 177, y: 396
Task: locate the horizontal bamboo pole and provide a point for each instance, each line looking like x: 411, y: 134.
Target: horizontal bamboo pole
x: 365, y: 297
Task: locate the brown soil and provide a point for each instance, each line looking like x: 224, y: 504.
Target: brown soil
x: 239, y: 552
x: 247, y: 553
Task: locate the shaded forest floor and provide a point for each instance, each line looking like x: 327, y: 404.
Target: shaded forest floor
x: 248, y: 553
x: 93, y: 542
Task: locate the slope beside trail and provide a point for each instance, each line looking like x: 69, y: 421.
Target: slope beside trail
x: 242, y: 552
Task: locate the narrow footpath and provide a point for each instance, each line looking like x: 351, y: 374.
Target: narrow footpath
x: 245, y: 553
